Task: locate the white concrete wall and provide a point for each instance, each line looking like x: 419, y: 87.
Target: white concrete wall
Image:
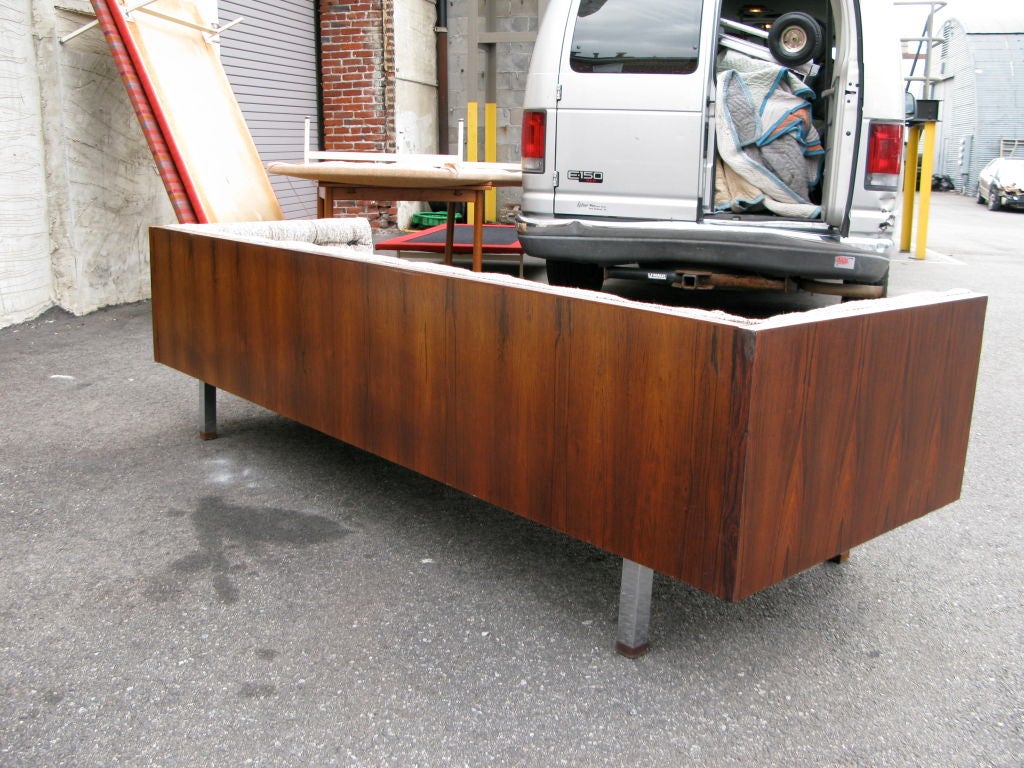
x: 25, y: 284
x: 415, y: 84
x: 86, y: 190
x: 104, y: 190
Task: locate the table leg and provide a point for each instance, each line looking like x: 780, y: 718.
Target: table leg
x: 328, y: 202
x: 207, y: 411
x: 634, y: 609
x: 449, y: 234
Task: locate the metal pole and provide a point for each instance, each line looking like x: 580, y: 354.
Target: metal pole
x: 207, y: 411
x: 441, y: 48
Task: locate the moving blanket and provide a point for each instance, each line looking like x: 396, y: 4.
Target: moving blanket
x: 769, y: 153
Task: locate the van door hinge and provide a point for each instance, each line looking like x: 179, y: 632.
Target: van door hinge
x: 558, y: 92
x: 554, y: 179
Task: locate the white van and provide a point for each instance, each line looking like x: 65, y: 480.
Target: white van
x: 714, y: 143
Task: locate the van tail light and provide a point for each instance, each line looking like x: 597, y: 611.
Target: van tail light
x: 534, y: 137
x: 885, y: 155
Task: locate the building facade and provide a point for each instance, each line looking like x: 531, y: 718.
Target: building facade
x: 383, y: 90
x: 981, y: 90
x: 80, y: 190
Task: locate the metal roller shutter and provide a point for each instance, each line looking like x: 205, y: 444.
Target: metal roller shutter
x: 271, y: 61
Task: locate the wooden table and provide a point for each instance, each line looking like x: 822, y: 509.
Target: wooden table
x: 410, y: 180
x: 500, y: 240
x: 328, y: 192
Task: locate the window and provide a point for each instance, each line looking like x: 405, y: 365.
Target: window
x: 631, y: 37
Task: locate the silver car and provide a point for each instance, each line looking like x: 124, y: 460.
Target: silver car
x: 1001, y: 184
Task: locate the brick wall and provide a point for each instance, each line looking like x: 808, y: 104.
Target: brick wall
x: 358, y: 66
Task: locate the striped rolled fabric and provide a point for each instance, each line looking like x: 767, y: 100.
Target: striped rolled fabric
x: 170, y: 172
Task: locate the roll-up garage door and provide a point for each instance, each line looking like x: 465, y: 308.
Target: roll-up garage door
x: 271, y: 61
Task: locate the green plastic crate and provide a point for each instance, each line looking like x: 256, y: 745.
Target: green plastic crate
x: 425, y: 219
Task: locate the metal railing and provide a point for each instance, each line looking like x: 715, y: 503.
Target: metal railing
x: 927, y: 41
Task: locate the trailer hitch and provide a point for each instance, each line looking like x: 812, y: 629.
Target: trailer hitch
x: 704, y: 280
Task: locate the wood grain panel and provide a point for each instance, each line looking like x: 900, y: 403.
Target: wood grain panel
x: 725, y: 455
x: 407, y: 404
x: 508, y: 366
x: 649, y: 404
x: 857, y: 426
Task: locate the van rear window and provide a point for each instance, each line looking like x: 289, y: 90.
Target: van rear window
x: 636, y: 36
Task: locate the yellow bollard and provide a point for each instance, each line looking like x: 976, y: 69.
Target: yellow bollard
x: 909, y: 187
x: 472, y: 144
x: 491, y: 156
x: 927, y: 163
x: 490, y: 150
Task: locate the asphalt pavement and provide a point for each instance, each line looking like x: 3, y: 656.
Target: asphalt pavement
x: 277, y: 598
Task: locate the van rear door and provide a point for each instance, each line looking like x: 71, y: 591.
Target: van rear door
x: 630, y: 113
x: 844, y: 117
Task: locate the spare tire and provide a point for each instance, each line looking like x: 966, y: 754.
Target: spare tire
x: 796, y: 38
x: 573, y: 274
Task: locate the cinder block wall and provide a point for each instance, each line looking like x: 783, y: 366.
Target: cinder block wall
x: 358, y: 63
x: 511, y: 63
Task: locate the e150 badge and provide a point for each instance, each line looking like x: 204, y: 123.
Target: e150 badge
x: 587, y: 177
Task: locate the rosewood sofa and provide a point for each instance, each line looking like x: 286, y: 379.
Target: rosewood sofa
x: 725, y: 452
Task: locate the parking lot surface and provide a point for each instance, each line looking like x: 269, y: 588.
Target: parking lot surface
x: 277, y: 598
